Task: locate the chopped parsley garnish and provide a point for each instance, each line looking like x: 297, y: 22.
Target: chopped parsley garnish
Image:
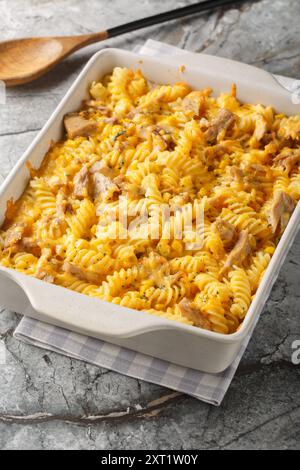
x: 115, y: 137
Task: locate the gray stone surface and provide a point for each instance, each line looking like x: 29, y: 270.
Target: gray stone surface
x: 51, y: 402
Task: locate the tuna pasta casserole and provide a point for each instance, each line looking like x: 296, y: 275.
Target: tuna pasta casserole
x: 160, y: 199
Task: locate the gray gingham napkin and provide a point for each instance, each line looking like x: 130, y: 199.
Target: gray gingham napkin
x: 210, y: 388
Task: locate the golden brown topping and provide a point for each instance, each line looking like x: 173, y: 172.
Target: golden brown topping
x: 194, y: 314
x: 282, y: 207
x: 233, y: 90
x: 32, y: 171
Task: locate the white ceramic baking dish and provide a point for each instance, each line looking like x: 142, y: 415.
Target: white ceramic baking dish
x: 172, y: 341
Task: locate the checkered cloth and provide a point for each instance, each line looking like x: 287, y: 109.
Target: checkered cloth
x: 210, y: 388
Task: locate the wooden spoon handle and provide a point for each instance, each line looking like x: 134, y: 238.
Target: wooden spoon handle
x: 84, y: 40
x: 171, y: 15
x: 73, y: 43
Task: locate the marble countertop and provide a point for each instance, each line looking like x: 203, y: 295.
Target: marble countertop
x: 48, y: 401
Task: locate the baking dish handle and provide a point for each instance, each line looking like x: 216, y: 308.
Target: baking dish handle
x: 68, y: 309
x: 270, y: 89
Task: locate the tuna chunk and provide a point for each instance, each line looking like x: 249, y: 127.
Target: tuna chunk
x: 82, y: 273
x: 14, y: 235
x: 194, y: 314
x: 31, y: 245
x: 214, y: 151
x: 98, y: 105
x: 78, y: 126
x: 81, y: 182
x: 257, y: 168
x: 227, y: 232
x: 282, y: 207
x: 251, y: 176
x: 56, y: 183
x: 224, y: 120
x: 236, y: 173
x: 173, y: 278
x: 104, y: 187
x: 119, y: 180
x: 288, y: 158
x: 260, y: 128
x: 240, y: 251
x: 110, y: 120
x: 43, y: 267
x: 61, y: 205
x: 101, y: 167
x: 194, y: 102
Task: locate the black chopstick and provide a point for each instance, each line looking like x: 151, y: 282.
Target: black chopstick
x: 170, y: 15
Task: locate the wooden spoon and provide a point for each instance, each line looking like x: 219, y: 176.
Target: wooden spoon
x: 24, y: 60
